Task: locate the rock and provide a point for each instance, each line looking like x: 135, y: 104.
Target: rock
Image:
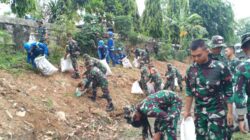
x: 61, y: 116
x: 14, y: 105
x: 21, y: 113
x: 50, y: 133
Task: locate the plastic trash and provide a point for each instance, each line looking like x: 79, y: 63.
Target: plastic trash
x: 44, y: 66
x: 136, y: 89
x: 79, y: 92
x: 126, y: 63
x: 151, y: 88
x: 176, y: 82
x: 104, y: 62
x: 188, y: 129
x: 66, y: 65
x: 136, y: 63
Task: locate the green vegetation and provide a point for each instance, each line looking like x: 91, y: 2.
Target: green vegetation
x: 240, y: 136
x: 11, y: 60
x: 167, y: 21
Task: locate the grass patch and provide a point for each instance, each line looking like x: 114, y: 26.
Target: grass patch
x: 13, y: 61
x: 240, y: 136
x: 49, y: 103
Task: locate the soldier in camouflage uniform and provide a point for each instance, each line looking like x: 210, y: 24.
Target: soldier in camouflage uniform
x: 96, y: 63
x: 94, y: 75
x: 41, y: 32
x: 209, y: 83
x: 74, y: 51
x: 144, y: 76
x: 170, y: 75
x: 216, y: 46
x: 232, y: 61
x: 145, y: 56
x: 242, y: 90
x: 155, y: 77
x: 165, y: 106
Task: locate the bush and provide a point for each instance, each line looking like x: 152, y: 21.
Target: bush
x: 56, y: 53
x: 133, y: 38
x: 87, y: 38
x: 123, y: 25
x: 180, y: 55
x: 165, y: 52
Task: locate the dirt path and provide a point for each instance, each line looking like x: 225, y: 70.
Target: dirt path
x: 45, y: 101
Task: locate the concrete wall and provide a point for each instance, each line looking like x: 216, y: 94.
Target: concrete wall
x: 20, y: 29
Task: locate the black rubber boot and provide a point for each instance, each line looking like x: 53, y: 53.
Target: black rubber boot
x: 110, y: 107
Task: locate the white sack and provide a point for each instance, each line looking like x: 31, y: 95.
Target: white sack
x: 104, y: 62
x: 45, y: 66
x: 151, y: 88
x: 136, y: 89
x: 126, y: 63
x: 66, y: 65
x: 136, y: 63
x: 188, y: 129
x: 176, y: 82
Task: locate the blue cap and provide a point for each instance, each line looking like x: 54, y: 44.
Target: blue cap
x: 110, y: 33
x: 101, y: 43
x: 26, y: 46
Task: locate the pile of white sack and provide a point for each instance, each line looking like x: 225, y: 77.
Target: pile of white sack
x: 44, y: 66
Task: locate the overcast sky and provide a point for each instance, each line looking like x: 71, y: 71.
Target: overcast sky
x: 241, y: 8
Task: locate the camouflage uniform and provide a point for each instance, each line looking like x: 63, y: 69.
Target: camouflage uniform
x: 156, y: 79
x: 242, y: 89
x: 145, y: 56
x: 72, y: 49
x: 41, y: 31
x: 179, y: 77
x: 232, y: 64
x: 98, y: 79
x: 170, y: 74
x: 144, y: 78
x: 96, y: 63
x: 211, y: 86
x: 165, y: 106
x: 218, y: 57
x: 99, y: 65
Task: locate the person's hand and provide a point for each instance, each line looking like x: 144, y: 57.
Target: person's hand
x: 242, y: 127
x: 186, y: 114
x: 230, y: 119
x: 157, y: 136
x: 79, y: 84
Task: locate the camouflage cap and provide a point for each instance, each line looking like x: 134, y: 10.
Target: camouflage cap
x: 245, y: 39
x: 86, y: 56
x: 89, y: 63
x: 217, y: 41
x: 169, y: 64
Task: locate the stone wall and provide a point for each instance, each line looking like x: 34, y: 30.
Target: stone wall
x: 20, y: 29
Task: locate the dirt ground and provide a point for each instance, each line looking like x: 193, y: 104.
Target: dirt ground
x: 36, y: 107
